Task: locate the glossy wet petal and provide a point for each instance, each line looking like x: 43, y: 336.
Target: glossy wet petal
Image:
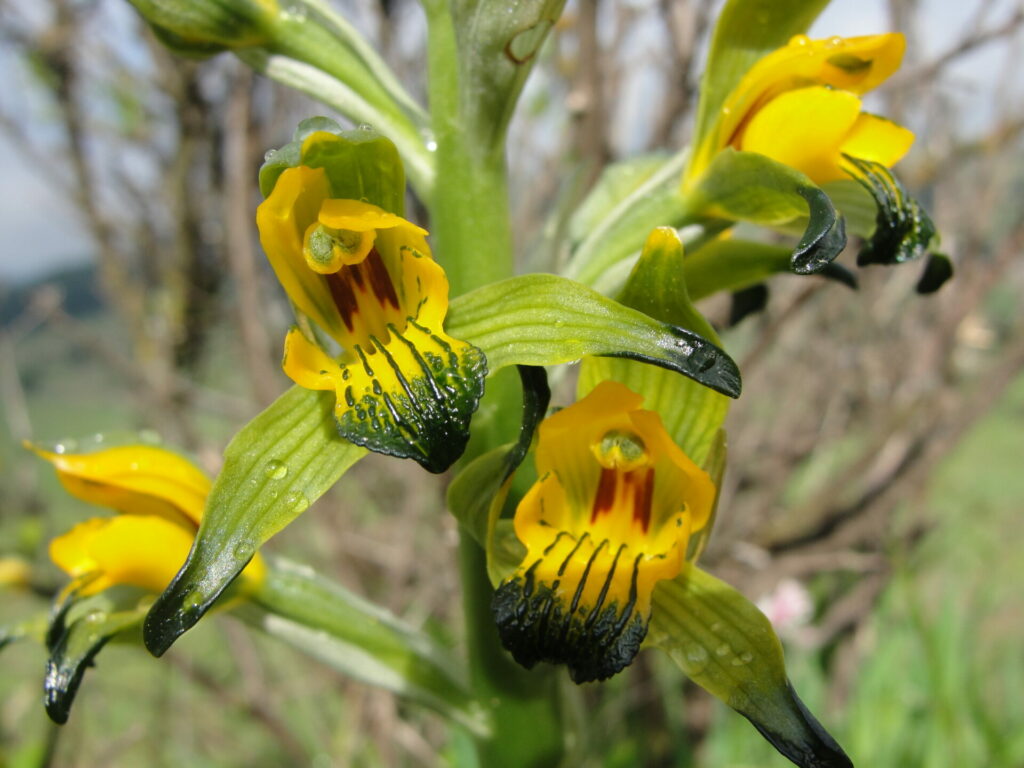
x: 134, y: 479
x: 609, y: 518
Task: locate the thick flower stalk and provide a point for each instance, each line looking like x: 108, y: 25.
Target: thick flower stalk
x: 610, y: 517
x: 800, y: 105
x: 365, y: 277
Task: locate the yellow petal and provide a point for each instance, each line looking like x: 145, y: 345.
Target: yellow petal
x: 877, y: 139
x: 804, y: 129
x: 855, y: 64
x: 361, y: 217
x: 608, y: 519
x: 134, y: 480
x: 139, y: 551
x: 403, y: 386
x: 284, y: 219
x: 307, y: 364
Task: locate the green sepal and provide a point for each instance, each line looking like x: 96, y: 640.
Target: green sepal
x: 546, y: 320
x: 74, y: 651
x: 714, y: 464
x: 274, y: 468
x: 692, y: 413
x: 903, y: 230
x: 722, y: 642
x: 478, y: 492
x: 747, y: 186
x: 323, y: 619
x: 746, y: 30
x: 360, y: 164
x: 197, y: 28
x: 730, y: 264
x: 497, y: 45
x: 189, y: 49
x: 937, y: 270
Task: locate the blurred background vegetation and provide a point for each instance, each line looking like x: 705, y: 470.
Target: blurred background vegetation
x: 874, y: 495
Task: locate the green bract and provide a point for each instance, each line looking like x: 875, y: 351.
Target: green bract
x: 274, y: 468
x: 745, y: 186
x: 727, y: 646
x: 693, y: 414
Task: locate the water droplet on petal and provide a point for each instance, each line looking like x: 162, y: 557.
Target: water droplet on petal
x: 276, y: 469
x: 696, y: 658
x: 95, y: 617
x: 365, y: 127
x: 244, y: 551
x: 297, y: 501
x: 723, y: 650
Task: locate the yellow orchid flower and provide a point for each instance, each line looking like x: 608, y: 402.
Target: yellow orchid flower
x: 609, y: 518
x: 800, y: 105
x: 367, y: 279
x: 160, y: 496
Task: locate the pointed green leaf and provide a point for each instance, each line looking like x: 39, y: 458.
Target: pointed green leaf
x: 620, y: 231
x: 74, y: 652
x: 729, y: 264
x: 903, y: 230
x: 478, y: 492
x: 692, y: 413
x: 497, y: 45
x: 360, y: 164
x: 728, y: 647
x: 274, y: 468
x: 746, y: 30
x: 746, y: 186
x: 547, y: 320
x: 323, y: 619
x: 616, y: 182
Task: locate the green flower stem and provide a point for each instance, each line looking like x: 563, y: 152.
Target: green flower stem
x: 524, y: 704
x: 473, y: 240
